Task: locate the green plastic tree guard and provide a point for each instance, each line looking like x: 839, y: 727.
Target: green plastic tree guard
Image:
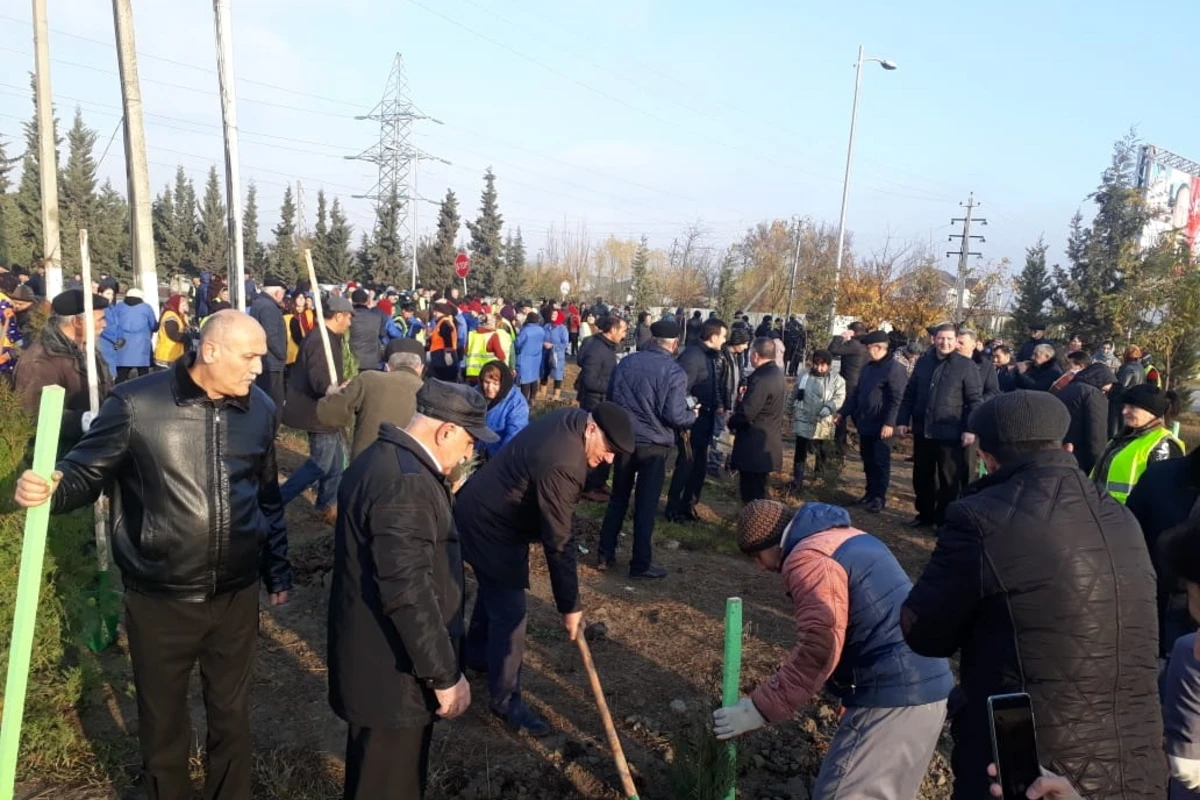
x: 731, y: 685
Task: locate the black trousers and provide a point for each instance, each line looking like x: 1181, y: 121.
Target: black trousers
x: 841, y: 433
x: 166, y: 637
x: 645, y: 469
x: 938, y: 470
x: 383, y: 763
x: 691, y: 467
x: 272, y: 384
x: 877, y: 464
x: 825, y: 461
x: 752, y: 486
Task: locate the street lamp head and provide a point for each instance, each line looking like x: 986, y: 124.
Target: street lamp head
x: 888, y: 65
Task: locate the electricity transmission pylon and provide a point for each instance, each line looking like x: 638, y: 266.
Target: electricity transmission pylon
x: 394, y: 153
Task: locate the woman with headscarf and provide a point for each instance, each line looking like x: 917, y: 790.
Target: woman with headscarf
x: 1143, y: 440
x: 138, y: 324
x: 508, y: 411
x: 529, y: 355
x: 554, y: 361
x: 174, y: 335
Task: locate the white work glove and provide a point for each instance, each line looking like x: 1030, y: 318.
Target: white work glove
x: 735, y: 720
x: 86, y: 421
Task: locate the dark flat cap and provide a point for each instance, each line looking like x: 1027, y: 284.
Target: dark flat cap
x: 875, y: 337
x: 1037, y: 326
x: 665, y: 329
x: 22, y: 292
x: 274, y: 280
x: 337, y: 305
x: 1021, y: 416
x: 70, y: 303
x: 457, y: 404
x: 617, y: 426
x: 404, y: 345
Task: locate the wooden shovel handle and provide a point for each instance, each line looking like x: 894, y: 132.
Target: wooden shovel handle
x: 614, y: 742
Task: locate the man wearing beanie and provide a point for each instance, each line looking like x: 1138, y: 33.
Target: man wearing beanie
x: 652, y: 388
x: 846, y: 589
x: 943, y: 390
x: 1041, y: 581
x: 874, y: 407
x: 1143, y: 439
x: 268, y: 312
x: 370, y: 329
x: 527, y: 494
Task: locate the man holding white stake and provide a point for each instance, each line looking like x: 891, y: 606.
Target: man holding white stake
x: 188, y: 455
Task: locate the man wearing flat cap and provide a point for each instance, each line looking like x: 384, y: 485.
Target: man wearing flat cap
x: 652, y: 387
x: 58, y: 357
x: 396, y: 600
x: 1043, y: 583
x: 373, y: 398
x: 525, y: 494
x: 267, y: 310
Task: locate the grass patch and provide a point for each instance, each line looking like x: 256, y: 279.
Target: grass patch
x: 285, y: 773
x: 694, y: 536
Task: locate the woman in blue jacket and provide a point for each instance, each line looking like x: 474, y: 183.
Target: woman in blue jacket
x: 554, y: 361
x: 508, y: 411
x: 109, y: 341
x: 529, y: 355
x: 137, y: 323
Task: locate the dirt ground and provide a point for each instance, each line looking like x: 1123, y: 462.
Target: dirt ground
x: 659, y: 660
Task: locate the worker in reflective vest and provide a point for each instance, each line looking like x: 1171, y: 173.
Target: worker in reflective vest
x: 485, y: 344
x: 1144, y: 438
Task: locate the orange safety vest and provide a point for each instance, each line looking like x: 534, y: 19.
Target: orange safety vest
x: 437, y: 341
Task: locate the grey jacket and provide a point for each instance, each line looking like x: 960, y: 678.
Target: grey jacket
x: 812, y: 417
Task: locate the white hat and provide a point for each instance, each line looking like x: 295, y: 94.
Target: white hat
x: 135, y: 292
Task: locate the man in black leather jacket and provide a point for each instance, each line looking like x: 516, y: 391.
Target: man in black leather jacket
x: 703, y: 363
x: 188, y: 457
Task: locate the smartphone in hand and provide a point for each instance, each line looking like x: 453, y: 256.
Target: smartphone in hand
x: 1014, y: 743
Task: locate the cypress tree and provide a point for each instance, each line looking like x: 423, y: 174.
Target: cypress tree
x: 387, y: 261
x: 639, y: 273
x: 282, y: 259
x: 1034, y: 290
x: 168, y: 247
x: 487, y: 250
x: 253, y: 252
x: 108, y: 237
x: 77, y: 195
x: 511, y: 282
x: 726, y: 299
x: 186, y: 229
x: 7, y: 209
x: 27, y: 247
x: 339, y: 259
x: 214, y: 230
x: 437, y: 267
x: 320, y: 244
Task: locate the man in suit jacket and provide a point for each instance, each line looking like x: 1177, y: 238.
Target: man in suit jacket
x: 758, y: 422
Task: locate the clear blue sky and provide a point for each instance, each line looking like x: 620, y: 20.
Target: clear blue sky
x: 639, y: 116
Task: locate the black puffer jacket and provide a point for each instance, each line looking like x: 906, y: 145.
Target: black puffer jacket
x: 703, y: 367
x: 597, y: 359
x: 269, y: 315
x: 1039, y: 377
x: 1044, y: 584
x: 940, y: 412
x: 853, y: 355
x: 1084, y: 397
x: 194, y: 487
x: 396, y: 602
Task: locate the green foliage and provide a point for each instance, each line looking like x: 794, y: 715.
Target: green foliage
x: 389, y: 266
x: 186, y: 226
x: 702, y: 768
x: 26, y: 246
x: 510, y: 283
x: 253, y: 253
x: 61, y: 667
x: 213, y: 254
x: 339, y: 261
x: 487, y: 250
x: 282, y: 257
x: 1035, y: 289
x: 437, y: 266
x: 639, y: 273
x: 726, y: 295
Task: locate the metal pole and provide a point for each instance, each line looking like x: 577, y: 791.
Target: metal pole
x: 47, y: 153
x: 233, y: 190
x: 416, y: 201
x: 141, y: 224
x: 841, y: 244
x: 960, y: 284
x: 795, y: 262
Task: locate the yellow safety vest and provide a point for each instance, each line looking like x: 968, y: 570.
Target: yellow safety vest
x: 478, y: 353
x: 165, y: 350
x: 293, y: 349
x: 1127, y: 466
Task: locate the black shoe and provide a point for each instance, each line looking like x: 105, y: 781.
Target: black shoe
x: 874, y: 505
x: 521, y: 718
x: 652, y: 571
x: 602, y: 564
x: 917, y: 522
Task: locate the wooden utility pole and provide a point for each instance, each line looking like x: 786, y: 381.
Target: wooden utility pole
x: 47, y: 153
x: 233, y: 190
x: 141, y: 223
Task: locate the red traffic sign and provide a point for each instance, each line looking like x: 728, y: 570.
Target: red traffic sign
x: 462, y: 265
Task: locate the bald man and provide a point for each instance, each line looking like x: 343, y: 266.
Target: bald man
x: 188, y: 455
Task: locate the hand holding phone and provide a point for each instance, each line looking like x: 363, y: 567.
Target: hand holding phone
x: 1014, y: 744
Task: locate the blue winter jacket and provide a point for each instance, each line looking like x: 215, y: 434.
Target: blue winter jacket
x: 877, y: 668
x: 652, y: 387
x: 137, y: 324
x: 510, y: 415
x: 107, y: 341
x: 875, y: 402
x: 529, y: 354
x: 556, y: 335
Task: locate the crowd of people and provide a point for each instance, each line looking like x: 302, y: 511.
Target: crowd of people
x: 1065, y: 563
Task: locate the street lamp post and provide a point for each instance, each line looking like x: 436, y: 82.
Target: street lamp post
x: 837, y: 270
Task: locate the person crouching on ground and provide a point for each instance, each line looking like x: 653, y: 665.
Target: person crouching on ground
x: 847, y: 589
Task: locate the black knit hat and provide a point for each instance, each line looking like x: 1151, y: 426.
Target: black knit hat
x: 1147, y: 396
x: 1018, y: 417
x: 665, y: 329
x: 875, y: 337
